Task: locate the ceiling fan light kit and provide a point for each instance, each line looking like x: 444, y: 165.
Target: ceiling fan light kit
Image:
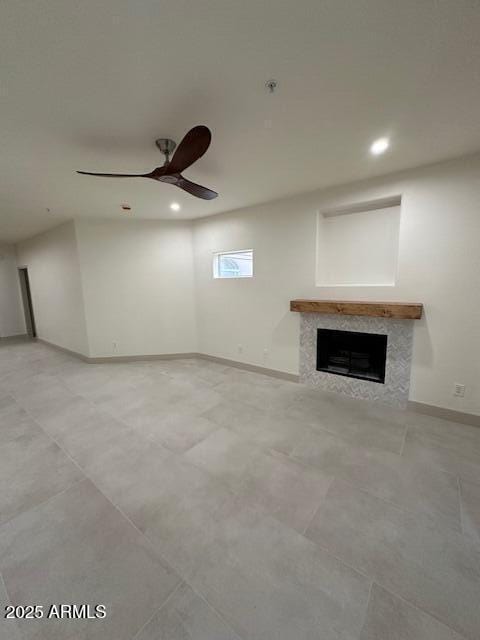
x: 191, y: 148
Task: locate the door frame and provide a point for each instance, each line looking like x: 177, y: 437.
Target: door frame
x: 27, y: 302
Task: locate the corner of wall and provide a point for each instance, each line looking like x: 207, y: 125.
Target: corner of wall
x: 82, y: 288
x: 195, y: 287
x: 52, y: 256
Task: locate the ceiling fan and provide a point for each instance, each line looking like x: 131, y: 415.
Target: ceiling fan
x: 191, y: 148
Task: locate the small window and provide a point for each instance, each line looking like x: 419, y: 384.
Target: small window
x: 233, y: 264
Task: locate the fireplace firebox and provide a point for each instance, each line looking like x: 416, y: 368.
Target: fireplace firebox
x: 352, y: 354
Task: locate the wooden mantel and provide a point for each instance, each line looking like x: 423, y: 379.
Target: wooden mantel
x: 398, y: 310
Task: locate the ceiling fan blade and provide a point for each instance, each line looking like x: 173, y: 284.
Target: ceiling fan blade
x: 196, y: 189
x: 115, y: 175
x: 190, y: 149
x: 157, y: 173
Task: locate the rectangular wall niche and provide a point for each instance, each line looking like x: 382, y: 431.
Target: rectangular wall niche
x: 358, y: 245
x: 352, y: 353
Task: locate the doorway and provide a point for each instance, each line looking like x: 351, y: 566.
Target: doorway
x: 27, y: 302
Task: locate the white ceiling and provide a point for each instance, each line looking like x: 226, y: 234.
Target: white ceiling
x: 90, y: 85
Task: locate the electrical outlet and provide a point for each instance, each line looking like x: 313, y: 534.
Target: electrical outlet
x: 240, y: 348
x: 114, y: 346
x: 265, y: 354
x: 459, y: 390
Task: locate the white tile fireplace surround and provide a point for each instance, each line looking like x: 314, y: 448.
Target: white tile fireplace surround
x: 395, y: 389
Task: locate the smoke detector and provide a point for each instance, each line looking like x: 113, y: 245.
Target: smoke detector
x: 271, y: 85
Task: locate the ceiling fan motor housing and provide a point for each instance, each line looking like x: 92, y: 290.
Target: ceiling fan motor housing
x: 166, y: 146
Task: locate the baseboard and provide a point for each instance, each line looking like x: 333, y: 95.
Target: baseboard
x: 418, y: 407
x: 17, y: 337
x: 160, y: 356
x: 273, y: 373
x: 445, y: 414
x: 106, y: 359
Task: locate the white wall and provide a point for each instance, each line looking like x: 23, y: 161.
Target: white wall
x: 438, y: 264
x: 55, y: 283
x: 12, y: 320
x: 139, y: 287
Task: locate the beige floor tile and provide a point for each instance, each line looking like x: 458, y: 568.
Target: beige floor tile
x: 222, y: 470
x: 386, y: 475
x: 362, y: 423
x: 269, y: 582
x: 470, y: 499
x: 434, y: 569
x: 391, y: 618
x: 77, y: 548
x: 32, y: 469
x: 431, y: 453
x: 272, y: 429
x: 186, y: 616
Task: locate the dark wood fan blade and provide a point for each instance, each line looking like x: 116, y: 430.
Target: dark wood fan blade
x: 115, y: 175
x: 196, y: 189
x: 157, y: 173
x: 190, y: 149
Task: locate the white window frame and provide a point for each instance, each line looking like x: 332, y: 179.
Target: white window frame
x: 216, y: 258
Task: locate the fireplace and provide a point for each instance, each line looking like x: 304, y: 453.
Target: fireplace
x: 387, y: 381
x: 352, y: 354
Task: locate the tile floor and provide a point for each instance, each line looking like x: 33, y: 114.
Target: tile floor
x: 196, y: 501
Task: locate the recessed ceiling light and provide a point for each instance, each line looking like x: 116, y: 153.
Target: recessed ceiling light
x: 379, y: 146
x: 175, y: 206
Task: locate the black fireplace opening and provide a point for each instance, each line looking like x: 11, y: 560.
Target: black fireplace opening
x: 352, y: 353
